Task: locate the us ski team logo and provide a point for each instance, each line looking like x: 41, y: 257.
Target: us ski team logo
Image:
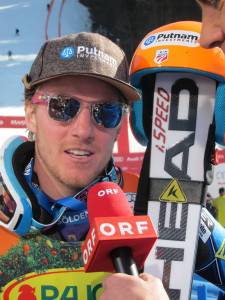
x: 161, y: 56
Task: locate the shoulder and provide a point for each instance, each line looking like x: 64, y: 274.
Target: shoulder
x: 216, y: 201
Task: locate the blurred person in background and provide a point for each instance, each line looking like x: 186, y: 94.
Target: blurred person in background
x: 219, y: 205
x: 208, y: 204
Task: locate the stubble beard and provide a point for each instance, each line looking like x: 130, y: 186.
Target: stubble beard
x: 59, y: 179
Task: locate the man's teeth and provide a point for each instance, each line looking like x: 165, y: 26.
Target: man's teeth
x: 79, y: 152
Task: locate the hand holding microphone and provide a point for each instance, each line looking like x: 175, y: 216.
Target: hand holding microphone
x: 146, y: 287
x: 117, y: 240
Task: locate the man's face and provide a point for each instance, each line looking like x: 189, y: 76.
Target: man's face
x: 213, y: 23
x: 70, y: 155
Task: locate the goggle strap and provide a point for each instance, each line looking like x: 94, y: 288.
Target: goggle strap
x: 70, y: 202
x: 35, y: 225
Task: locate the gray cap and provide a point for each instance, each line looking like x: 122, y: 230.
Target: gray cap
x: 88, y: 54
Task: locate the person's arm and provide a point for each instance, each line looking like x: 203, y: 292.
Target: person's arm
x: 120, y: 286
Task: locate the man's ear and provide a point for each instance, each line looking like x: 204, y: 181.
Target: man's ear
x: 30, y: 116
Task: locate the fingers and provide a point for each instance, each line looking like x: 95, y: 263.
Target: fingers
x: 150, y: 279
x: 122, y: 286
x: 155, y: 285
x: 146, y: 277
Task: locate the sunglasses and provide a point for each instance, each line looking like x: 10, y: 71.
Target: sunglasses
x: 65, y: 109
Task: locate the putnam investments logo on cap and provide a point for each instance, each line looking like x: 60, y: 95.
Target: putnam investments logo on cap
x: 82, y: 52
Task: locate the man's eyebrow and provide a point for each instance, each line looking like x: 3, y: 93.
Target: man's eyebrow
x: 213, y: 3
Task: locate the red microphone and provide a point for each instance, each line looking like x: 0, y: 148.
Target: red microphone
x: 117, y: 240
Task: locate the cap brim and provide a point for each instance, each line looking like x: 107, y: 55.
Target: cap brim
x: 129, y: 92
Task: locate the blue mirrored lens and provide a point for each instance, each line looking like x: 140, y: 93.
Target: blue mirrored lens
x: 71, y: 109
x: 108, y: 114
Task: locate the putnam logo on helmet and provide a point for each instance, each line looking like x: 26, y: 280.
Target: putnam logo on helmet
x: 171, y: 37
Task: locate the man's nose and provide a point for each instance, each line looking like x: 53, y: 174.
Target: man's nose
x: 83, y: 125
x: 212, y: 34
